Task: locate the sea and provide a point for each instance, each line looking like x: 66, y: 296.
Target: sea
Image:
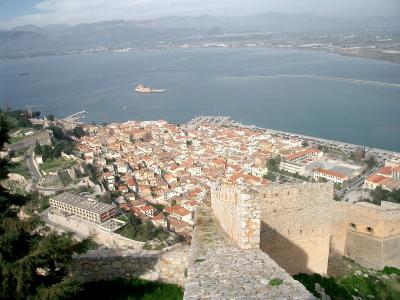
x: 314, y: 93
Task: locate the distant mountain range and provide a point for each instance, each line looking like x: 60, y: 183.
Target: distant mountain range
x: 50, y: 39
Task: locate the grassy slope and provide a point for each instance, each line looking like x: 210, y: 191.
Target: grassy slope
x: 367, y: 284
x: 122, y: 289
x: 58, y: 164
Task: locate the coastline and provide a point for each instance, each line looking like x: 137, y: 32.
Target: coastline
x: 229, y: 122
x: 102, y: 50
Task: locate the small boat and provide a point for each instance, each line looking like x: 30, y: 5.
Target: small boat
x: 141, y: 88
x: 23, y: 74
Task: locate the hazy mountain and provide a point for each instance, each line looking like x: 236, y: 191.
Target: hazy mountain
x: 201, y: 22
x: 51, y: 39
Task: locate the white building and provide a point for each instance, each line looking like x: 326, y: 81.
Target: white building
x: 330, y: 175
x: 293, y: 167
x: 91, y: 210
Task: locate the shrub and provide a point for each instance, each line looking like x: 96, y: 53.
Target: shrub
x: 275, y: 281
x: 121, y: 289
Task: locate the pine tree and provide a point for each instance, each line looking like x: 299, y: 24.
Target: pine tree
x: 34, y: 261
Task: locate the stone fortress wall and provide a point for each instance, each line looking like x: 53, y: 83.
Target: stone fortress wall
x: 295, y: 226
x: 83, y: 229
x: 280, y: 230
x: 168, y: 265
x: 288, y: 222
x: 301, y: 226
x: 239, y: 214
x: 219, y: 269
x: 367, y: 233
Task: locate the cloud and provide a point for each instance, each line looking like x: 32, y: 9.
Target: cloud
x: 77, y: 11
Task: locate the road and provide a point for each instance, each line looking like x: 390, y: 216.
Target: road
x: 36, y: 175
x: 359, y: 182
x: 33, y: 168
x: 42, y: 138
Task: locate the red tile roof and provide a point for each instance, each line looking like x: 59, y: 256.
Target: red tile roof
x: 332, y: 173
x: 302, y: 153
x: 179, y: 210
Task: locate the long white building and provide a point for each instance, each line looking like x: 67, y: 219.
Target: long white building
x: 91, y: 210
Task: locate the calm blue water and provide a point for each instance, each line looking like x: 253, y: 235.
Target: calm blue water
x: 102, y: 84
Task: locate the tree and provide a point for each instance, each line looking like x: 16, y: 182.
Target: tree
x: 358, y: 155
x: 58, y: 133
x: 305, y: 144
x: 50, y: 117
x: 17, y: 118
x: 273, y: 164
x: 379, y: 194
x: 34, y: 261
x: 134, y: 221
x: 36, y: 114
x: 78, y: 132
x: 47, y: 152
x: 159, y: 207
x: 371, y: 162
x: 147, y: 232
x: 270, y: 176
x: 38, y: 149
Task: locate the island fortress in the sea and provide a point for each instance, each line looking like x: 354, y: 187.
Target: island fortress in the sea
x: 141, y: 88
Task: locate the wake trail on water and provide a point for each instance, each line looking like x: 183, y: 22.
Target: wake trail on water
x: 317, y: 77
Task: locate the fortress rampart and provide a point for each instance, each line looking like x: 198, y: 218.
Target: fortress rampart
x: 288, y: 222
x: 219, y: 269
x: 253, y: 237
x: 166, y: 265
x: 239, y: 213
x: 367, y: 233
x: 300, y: 226
x: 295, y: 226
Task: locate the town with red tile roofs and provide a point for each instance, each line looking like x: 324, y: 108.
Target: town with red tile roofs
x: 149, y: 176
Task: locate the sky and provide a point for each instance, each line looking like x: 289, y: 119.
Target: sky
x: 41, y: 12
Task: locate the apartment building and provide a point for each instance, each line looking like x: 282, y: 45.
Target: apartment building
x: 87, y: 209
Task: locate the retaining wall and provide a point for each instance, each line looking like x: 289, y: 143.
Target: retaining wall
x: 84, y: 229
x: 167, y: 265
